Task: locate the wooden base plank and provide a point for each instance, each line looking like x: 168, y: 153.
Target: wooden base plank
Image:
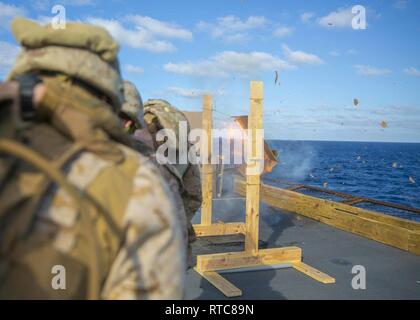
x: 313, y: 273
x: 226, y: 287
x: 219, y: 229
x: 264, y: 267
x: 209, y: 265
x: 234, y: 260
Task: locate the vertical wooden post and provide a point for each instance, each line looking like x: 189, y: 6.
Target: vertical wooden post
x: 209, y: 265
x: 254, y: 159
x: 207, y: 168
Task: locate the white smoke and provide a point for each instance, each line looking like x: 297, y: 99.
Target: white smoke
x: 296, y: 160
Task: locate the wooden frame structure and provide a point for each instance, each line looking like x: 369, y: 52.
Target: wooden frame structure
x: 207, y: 227
x: 209, y: 265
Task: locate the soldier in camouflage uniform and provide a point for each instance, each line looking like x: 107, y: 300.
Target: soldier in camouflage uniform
x: 160, y: 114
x: 73, y: 191
x: 184, y: 180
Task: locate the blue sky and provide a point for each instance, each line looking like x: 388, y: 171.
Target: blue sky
x: 177, y: 50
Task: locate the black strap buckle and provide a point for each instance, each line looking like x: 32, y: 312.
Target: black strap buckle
x: 27, y: 83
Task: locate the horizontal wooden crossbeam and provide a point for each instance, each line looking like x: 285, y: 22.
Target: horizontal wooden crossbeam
x: 233, y: 260
x: 219, y: 229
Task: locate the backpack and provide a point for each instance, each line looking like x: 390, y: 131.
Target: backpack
x: 32, y: 159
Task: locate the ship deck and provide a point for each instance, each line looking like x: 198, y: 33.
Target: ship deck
x: 391, y: 273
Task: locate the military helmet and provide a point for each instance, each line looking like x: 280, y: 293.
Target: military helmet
x: 163, y: 115
x: 84, y: 52
x: 168, y: 116
x: 132, y: 107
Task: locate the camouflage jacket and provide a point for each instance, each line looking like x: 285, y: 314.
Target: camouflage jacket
x: 139, y: 245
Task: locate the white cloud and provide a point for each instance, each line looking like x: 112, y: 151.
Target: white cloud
x: 306, y: 16
x: 133, y: 69
x: 8, y: 53
x: 199, y: 69
x: 160, y: 28
x: 341, y: 18
x: 78, y: 2
x: 46, y: 5
x: 399, y: 111
x: 41, y: 4
x: 187, y: 93
x: 134, y: 38
x: 232, y: 29
x: 412, y: 71
x: 370, y: 71
x: 145, y: 33
x: 300, y: 56
x: 401, y: 4
x: 8, y: 12
x: 282, y: 31
x: 230, y: 63
x: 192, y: 93
x: 334, y: 53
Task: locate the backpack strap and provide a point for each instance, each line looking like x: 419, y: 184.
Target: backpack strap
x: 23, y: 191
x: 53, y: 173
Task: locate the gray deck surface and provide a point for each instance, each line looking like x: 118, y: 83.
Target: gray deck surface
x: 391, y: 273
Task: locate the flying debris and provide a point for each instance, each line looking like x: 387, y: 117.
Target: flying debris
x: 395, y: 165
x: 411, y: 180
x: 384, y: 124
x: 325, y: 184
x: 311, y: 175
x: 356, y: 102
x: 359, y: 157
x: 277, y: 77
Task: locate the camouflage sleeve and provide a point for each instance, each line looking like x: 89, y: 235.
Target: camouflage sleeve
x: 192, y: 195
x: 174, y: 187
x: 151, y: 262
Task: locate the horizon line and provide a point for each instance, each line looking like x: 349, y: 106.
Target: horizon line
x: 310, y: 140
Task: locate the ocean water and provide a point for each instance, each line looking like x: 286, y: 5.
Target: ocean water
x: 383, y: 171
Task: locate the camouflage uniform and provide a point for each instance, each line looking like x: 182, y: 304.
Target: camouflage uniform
x: 110, y: 222
x: 132, y: 109
x: 183, y: 180
x: 160, y: 114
